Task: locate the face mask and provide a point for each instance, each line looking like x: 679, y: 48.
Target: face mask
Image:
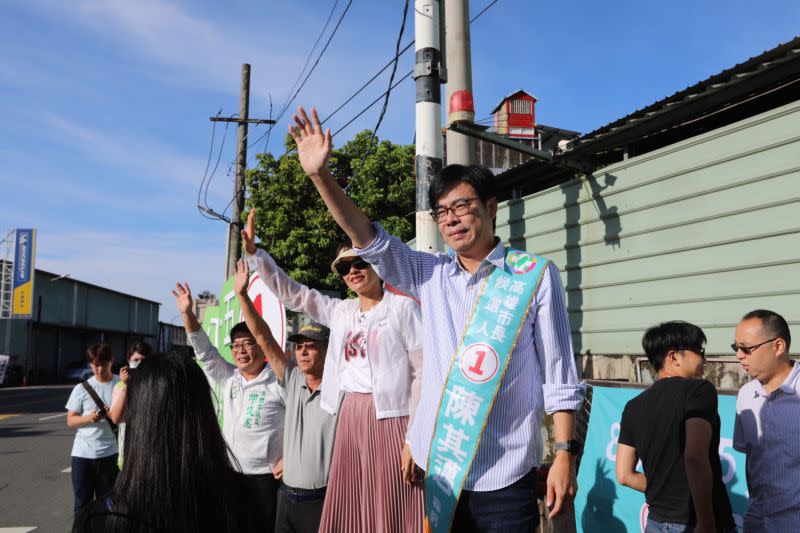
x: 133, y: 364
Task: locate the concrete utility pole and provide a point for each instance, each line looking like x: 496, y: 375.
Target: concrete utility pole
x: 428, y: 75
x: 460, y: 148
x: 234, y: 252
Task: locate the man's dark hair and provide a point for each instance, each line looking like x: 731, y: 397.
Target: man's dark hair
x: 241, y: 327
x: 659, y: 340
x: 99, y: 353
x: 773, y: 323
x: 479, y: 177
x: 141, y: 347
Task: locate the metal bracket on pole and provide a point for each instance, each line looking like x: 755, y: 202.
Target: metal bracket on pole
x: 542, y: 155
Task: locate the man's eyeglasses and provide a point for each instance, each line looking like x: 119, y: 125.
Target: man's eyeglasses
x: 344, y: 267
x: 699, y: 351
x: 458, y: 208
x: 245, y: 345
x: 747, y: 350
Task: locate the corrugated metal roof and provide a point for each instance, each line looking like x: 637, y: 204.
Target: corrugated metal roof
x: 758, y: 75
x: 754, y: 67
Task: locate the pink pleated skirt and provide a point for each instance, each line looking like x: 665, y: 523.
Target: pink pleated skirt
x: 366, y: 493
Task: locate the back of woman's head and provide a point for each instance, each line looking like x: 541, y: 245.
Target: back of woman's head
x: 177, y: 473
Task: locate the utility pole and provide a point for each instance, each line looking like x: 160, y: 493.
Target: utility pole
x: 235, y: 227
x: 428, y: 75
x: 460, y: 106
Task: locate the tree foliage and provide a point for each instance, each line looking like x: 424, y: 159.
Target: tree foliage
x: 294, y: 225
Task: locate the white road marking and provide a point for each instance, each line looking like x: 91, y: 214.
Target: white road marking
x: 67, y: 470
x: 23, y: 529
x: 48, y: 418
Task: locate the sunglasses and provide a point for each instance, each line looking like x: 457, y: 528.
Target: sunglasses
x: 344, y: 267
x: 747, y: 350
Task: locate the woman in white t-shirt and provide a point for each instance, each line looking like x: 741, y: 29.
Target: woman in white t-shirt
x: 94, y: 452
x: 374, y: 359
x: 136, y: 354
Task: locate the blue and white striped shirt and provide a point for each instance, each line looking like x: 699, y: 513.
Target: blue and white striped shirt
x: 766, y: 429
x: 540, y: 376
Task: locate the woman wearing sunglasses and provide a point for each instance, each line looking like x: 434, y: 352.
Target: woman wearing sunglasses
x: 374, y: 358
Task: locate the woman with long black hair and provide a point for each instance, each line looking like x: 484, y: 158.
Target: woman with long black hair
x: 178, y: 475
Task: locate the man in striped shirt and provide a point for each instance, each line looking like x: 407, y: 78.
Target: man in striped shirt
x: 499, y: 490
x: 768, y: 422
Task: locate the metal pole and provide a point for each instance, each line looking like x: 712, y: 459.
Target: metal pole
x: 460, y: 148
x: 430, y: 147
x: 235, y: 227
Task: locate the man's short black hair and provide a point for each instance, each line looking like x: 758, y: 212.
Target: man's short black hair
x: 241, y: 327
x: 773, y: 323
x: 479, y: 177
x: 659, y: 340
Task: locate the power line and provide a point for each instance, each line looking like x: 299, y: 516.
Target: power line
x: 389, y: 90
x: 311, y: 70
x: 375, y: 101
x: 368, y: 82
x: 383, y: 69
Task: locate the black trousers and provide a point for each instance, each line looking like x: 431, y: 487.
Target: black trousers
x: 264, y: 488
x: 92, y: 478
x: 298, y: 516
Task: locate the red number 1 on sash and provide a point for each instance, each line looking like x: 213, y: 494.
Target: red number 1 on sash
x: 476, y: 368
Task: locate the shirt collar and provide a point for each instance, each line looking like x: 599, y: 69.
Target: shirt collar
x: 496, y: 257
x: 788, y: 386
x: 244, y: 383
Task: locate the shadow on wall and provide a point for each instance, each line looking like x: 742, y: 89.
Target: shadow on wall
x: 599, y: 512
x: 572, y: 227
x: 608, y: 215
x: 517, y: 224
x: 572, y: 246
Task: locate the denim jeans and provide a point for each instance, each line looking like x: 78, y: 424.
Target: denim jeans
x: 92, y: 478
x: 672, y: 527
x: 506, y: 510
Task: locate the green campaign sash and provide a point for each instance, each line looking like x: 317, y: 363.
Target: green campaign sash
x: 476, y: 371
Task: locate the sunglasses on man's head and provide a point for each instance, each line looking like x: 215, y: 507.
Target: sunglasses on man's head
x: 344, y: 267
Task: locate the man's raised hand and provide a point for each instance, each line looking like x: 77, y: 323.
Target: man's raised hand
x: 313, y: 146
x: 249, y: 233
x: 241, y: 278
x: 183, y: 297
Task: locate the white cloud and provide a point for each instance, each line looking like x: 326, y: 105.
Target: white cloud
x: 148, y: 160
x: 144, y: 264
x: 186, y: 49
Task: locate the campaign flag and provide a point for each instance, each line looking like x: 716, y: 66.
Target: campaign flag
x: 22, y: 281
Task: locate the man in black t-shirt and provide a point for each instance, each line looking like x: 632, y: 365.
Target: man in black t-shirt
x: 674, y: 428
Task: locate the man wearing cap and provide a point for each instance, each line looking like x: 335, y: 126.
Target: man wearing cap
x: 309, y: 430
x: 250, y: 401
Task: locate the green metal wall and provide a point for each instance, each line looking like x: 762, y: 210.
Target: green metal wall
x: 704, y: 230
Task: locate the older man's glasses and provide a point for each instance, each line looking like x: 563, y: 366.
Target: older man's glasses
x: 459, y: 208
x: 242, y: 346
x: 747, y: 350
x: 344, y: 267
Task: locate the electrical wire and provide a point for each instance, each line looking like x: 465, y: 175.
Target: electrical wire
x: 311, y: 70
x: 389, y: 90
x: 375, y: 101
x: 383, y: 69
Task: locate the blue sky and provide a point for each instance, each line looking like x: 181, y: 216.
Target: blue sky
x: 105, y: 103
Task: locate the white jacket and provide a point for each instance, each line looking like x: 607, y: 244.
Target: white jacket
x: 394, y: 345
x: 252, y: 411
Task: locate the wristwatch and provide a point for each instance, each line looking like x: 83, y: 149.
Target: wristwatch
x: 572, y: 446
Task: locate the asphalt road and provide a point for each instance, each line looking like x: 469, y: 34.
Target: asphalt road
x: 35, y: 447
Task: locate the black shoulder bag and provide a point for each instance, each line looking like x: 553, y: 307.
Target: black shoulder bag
x: 100, y: 406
